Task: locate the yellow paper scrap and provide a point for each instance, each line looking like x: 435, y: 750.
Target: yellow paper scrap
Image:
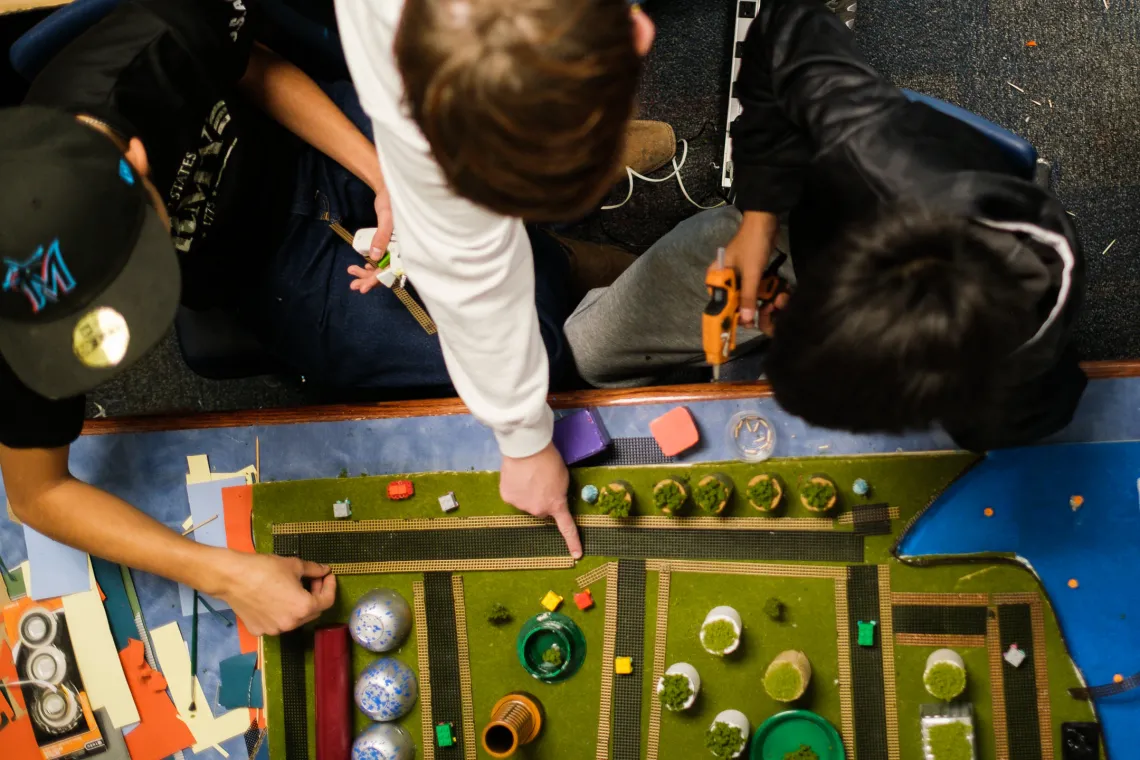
x: 174, y: 660
x: 97, y: 657
x: 199, y: 469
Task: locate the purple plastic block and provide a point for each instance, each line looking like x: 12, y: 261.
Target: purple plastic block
x: 579, y: 436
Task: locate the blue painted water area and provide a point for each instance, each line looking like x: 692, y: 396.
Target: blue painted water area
x: 1097, y: 545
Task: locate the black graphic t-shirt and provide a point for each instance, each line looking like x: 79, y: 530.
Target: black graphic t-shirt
x: 166, y: 71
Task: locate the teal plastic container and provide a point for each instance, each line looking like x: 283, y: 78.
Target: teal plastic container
x: 786, y: 731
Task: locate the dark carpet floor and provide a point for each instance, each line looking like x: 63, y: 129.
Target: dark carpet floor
x: 1085, y: 62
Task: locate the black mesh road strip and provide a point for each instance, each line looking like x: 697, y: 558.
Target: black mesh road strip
x: 626, y: 725
x: 443, y: 653
x: 623, y: 452
x: 294, y: 691
x: 867, y: 687
x: 1107, y: 690
x: 690, y: 543
x: 545, y: 541
x: 1022, y: 726
x: 251, y: 736
x: 872, y: 519
x: 957, y: 621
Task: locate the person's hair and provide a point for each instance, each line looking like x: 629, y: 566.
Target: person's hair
x: 901, y: 327
x: 523, y: 102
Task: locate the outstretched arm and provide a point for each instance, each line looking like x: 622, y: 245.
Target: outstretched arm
x: 295, y: 101
x: 267, y: 592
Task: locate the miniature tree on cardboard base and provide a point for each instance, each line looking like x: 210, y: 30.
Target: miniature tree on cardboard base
x: 774, y: 609
x: 712, y: 493
x: 669, y: 496
x: 765, y: 492
x: 819, y: 494
x: 616, y: 500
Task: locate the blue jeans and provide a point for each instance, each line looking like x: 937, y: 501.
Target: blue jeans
x: 310, y: 320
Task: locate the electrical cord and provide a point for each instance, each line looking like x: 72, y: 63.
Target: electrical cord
x: 630, y: 174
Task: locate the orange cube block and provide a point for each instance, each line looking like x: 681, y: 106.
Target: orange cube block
x: 584, y: 599
x: 675, y: 431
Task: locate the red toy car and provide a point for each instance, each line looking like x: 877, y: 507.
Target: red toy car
x: 400, y: 489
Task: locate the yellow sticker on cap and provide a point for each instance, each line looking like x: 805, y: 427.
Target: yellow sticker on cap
x: 101, y: 337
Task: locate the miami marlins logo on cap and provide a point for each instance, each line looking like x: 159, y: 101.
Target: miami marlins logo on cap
x: 42, y: 278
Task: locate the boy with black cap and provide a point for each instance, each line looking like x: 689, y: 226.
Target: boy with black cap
x: 90, y: 283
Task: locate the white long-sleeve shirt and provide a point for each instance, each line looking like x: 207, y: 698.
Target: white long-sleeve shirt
x: 473, y: 268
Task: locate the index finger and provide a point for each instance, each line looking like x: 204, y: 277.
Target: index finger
x: 569, y: 530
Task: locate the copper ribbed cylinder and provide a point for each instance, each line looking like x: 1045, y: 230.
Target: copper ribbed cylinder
x: 515, y: 720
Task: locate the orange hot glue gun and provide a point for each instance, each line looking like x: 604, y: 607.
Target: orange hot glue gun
x: 722, y: 314
x: 718, y: 322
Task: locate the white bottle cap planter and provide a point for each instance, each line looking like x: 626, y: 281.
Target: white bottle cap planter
x: 945, y: 674
x: 726, y: 614
x: 689, y: 672
x: 736, y: 719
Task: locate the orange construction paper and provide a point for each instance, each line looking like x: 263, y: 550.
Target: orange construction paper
x: 19, y: 742
x: 8, y: 674
x: 160, y: 732
x: 237, y: 504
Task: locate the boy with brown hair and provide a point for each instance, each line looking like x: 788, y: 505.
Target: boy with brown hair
x: 488, y: 114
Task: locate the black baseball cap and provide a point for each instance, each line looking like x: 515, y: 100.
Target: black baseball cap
x: 89, y: 279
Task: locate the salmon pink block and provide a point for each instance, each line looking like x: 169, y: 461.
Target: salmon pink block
x: 675, y: 431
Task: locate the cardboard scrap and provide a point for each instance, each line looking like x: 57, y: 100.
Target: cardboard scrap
x: 96, y: 655
x: 198, y: 471
x: 174, y: 659
x: 116, y: 603
x: 241, y: 682
x: 160, y: 733
x: 9, y: 675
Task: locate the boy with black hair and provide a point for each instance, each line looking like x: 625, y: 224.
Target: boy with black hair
x: 934, y: 284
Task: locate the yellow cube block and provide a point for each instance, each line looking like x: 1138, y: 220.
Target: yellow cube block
x: 551, y: 601
x: 623, y: 666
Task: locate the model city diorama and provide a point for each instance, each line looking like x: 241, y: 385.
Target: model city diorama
x: 742, y: 609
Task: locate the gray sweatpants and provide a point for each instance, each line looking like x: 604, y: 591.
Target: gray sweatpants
x: 649, y: 320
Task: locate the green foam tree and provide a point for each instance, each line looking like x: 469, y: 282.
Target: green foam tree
x: 761, y: 493
x: 803, y: 753
x: 945, y: 680
x: 784, y: 682
x: 818, y: 495
x: 668, y: 497
x: 710, y: 495
x: 675, y: 691
x: 774, y: 609
x: 499, y: 615
x: 951, y: 741
x: 614, y: 503
x: 718, y: 636
x: 723, y: 740
x: 553, y: 657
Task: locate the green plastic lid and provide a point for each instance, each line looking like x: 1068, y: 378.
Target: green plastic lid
x: 786, y: 731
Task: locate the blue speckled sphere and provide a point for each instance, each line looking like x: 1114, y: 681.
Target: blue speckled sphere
x: 386, y: 690
x: 589, y: 494
x: 861, y: 487
x: 381, y: 620
x: 384, y: 741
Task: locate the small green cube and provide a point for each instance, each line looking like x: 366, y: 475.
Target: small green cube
x: 445, y: 735
x: 867, y: 633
